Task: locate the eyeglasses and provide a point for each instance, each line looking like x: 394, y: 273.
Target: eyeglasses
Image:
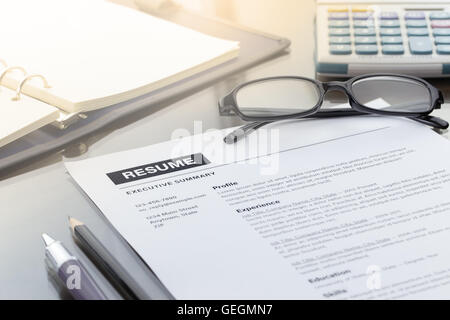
x: 266, y: 100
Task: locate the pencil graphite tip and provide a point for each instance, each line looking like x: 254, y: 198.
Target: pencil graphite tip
x: 47, y: 239
x: 74, y: 223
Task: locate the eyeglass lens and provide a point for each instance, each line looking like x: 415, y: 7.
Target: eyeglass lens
x: 277, y: 97
x: 394, y: 94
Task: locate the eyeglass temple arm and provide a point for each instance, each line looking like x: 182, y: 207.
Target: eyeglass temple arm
x: 434, y: 122
x: 241, y: 132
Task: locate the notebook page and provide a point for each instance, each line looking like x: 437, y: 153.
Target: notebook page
x: 95, y: 53
x: 18, y: 118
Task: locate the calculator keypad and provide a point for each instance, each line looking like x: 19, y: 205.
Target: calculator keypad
x: 364, y: 32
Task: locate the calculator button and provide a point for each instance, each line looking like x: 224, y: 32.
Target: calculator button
x: 440, y: 24
x: 339, y: 32
x: 415, y: 15
x: 420, y: 45
x: 418, y: 32
x: 362, y: 15
x: 443, y: 49
x: 366, y: 49
x: 442, y: 40
x: 338, y: 16
x: 391, y: 40
x: 440, y: 15
x: 340, y: 49
x: 337, y: 9
x: 365, y: 40
x: 390, y: 32
x: 441, y: 32
x: 416, y: 24
x: 365, y: 32
x: 340, y: 40
x: 363, y: 23
x: 389, y: 24
x: 338, y: 24
x: 393, y: 49
x: 387, y: 15
x: 360, y: 9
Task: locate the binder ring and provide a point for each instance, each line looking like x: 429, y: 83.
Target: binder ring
x: 9, y: 69
x: 22, y: 82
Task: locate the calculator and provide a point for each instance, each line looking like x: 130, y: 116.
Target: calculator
x: 407, y: 37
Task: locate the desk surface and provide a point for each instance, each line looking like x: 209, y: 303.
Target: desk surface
x: 40, y: 197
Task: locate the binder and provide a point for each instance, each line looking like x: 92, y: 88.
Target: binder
x: 255, y: 47
x: 63, y: 119
x: 28, y: 114
x: 95, y: 59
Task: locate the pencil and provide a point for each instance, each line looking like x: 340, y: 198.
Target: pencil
x: 105, y: 261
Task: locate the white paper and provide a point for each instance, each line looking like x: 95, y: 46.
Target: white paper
x: 18, y: 118
x: 353, y: 208
x: 95, y: 53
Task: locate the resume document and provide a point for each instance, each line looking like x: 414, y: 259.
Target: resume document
x: 355, y: 208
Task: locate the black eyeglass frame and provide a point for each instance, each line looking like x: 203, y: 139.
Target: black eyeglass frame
x: 436, y: 98
x: 229, y: 103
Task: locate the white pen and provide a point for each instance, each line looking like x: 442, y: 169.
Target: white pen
x: 69, y: 269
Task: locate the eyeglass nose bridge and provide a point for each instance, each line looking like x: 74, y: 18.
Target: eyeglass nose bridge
x: 336, y: 86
